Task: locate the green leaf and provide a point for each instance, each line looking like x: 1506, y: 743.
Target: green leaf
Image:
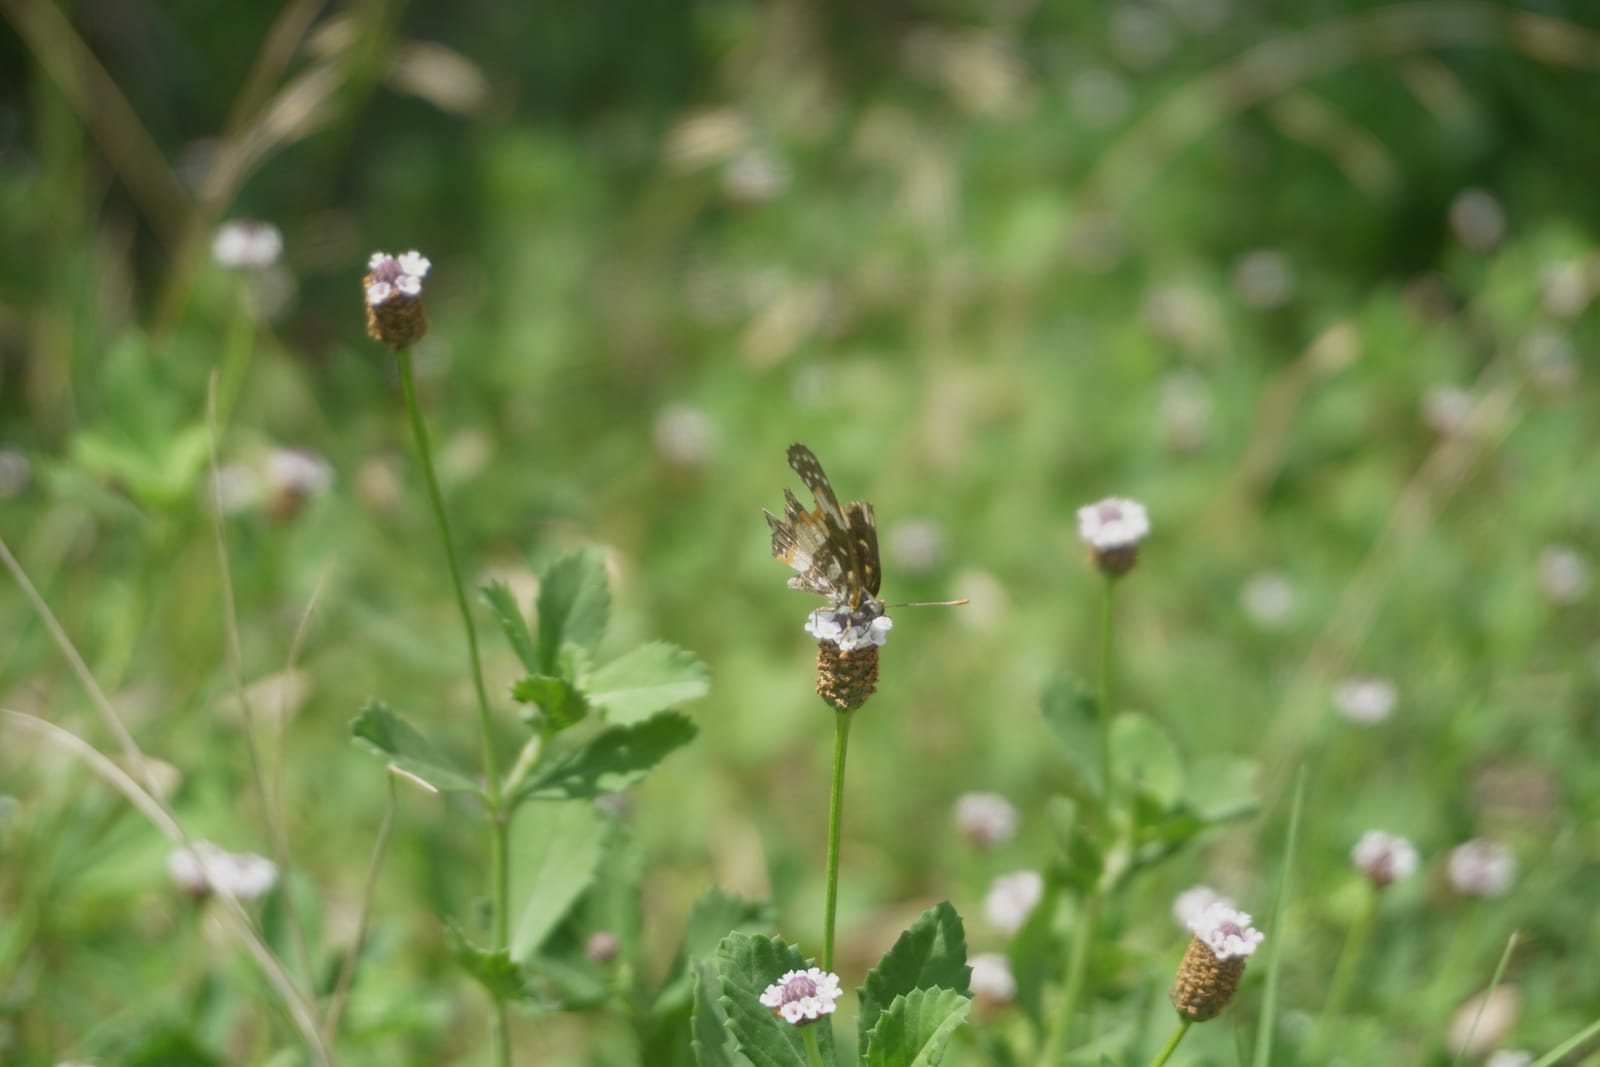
x: 651, y: 678
x: 574, y: 604
x: 745, y: 964
x: 1144, y: 758
x: 714, y: 915
x: 712, y: 1038
x: 1072, y: 714
x: 380, y: 730
x: 492, y: 969
x: 1081, y: 859
x: 558, y: 701
x: 916, y: 1029
x: 1222, y: 788
x: 932, y: 953
x: 506, y: 612
x: 612, y: 760
x: 557, y: 848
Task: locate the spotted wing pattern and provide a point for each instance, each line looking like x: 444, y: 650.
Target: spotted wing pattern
x: 834, y: 550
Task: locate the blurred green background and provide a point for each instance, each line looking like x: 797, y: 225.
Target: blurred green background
x: 1313, y: 281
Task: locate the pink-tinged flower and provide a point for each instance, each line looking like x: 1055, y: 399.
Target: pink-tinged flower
x: 1564, y: 574
x: 247, y: 244
x: 986, y: 819
x: 1192, y: 903
x: 847, y: 629
x: 992, y: 983
x: 1482, y: 868
x: 395, y: 277
x: 1012, y: 898
x: 1113, y: 528
x: 206, y: 868
x: 1384, y: 858
x: 1365, y: 701
x: 801, y: 997
x: 1226, y: 932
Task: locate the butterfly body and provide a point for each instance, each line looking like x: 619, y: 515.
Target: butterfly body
x: 832, y: 548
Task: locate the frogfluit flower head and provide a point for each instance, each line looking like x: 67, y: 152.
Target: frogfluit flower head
x: 1113, y: 528
x: 986, y: 819
x: 847, y: 654
x: 802, y: 997
x: 1384, y: 858
x: 1482, y: 868
x: 1365, y: 701
x: 993, y: 984
x: 1209, y: 975
x: 247, y: 244
x: 393, y: 287
x: 1012, y: 898
x: 1190, y: 904
x: 206, y: 868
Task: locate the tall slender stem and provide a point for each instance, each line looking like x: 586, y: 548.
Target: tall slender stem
x: 499, y: 838
x: 1172, y: 1043
x: 1107, y: 709
x: 813, y: 1053
x: 1344, y: 974
x: 841, y: 744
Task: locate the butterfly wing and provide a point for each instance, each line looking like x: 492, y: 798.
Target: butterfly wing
x: 863, y: 527
x: 803, y: 540
x: 833, y: 549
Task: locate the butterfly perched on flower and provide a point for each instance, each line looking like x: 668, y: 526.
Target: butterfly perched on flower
x: 834, y: 551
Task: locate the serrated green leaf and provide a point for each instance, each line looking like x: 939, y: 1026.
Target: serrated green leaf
x: 916, y: 1028
x: 1072, y: 714
x: 745, y: 964
x: 491, y: 968
x: 559, y: 703
x: 612, y: 760
x: 711, y: 1037
x: 394, y: 740
x: 1081, y: 859
x: 574, y: 605
x: 931, y: 954
x: 498, y: 596
x: 1144, y: 758
x: 556, y: 850
x: 651, y: 678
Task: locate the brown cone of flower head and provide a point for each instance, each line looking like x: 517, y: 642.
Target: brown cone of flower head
x: 393, y: 288
x: 847, y: 655
x: 1214, y: 962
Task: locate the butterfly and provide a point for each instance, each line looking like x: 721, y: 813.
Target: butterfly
x: 833, y: 549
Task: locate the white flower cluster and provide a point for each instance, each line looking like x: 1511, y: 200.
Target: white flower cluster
x: 1012, y: 898
x: 1113, y: 523
x: 803, y: 996
x: 395, y: 276
x: 1482, y: 868
x: 1384, y: 858
x: 1190, y: 904
x: 847, y: 629
x: 1226, y: 932
x: 986, y: 819
x: 207, y: 867
x: 1365, y: 701
x: 247, y: 244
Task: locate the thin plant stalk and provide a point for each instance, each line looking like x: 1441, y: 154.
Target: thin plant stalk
x: 347, y: 970
x: 1483, y: 1001
x: 1089, y: 918
x: 1266, y: 1025
x: 1553, y: 1057
x: 499, y: 837
x: 841, y: 745
x: 813, y: 1053
x: 1172, y: 1043
x: 1355, y: 944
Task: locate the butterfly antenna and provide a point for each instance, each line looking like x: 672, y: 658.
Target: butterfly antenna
x: 932, y: 604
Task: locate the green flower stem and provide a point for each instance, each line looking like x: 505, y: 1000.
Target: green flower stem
x: 1077, y: 978
x: 1355, y: 944
x: 1107, y: 618
x: 499, y: 839
x: 1172, y: 1043
x: 813, y: 1053
x: 841, y: 744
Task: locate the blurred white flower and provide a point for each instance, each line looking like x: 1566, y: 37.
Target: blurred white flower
x: 990, y: 602
x: 1510, y: 1058
x: 206, y: 868
x: 1549, y: 359
x: 1482, y: 868
x: 1486, y: 1030
x: 1181, y: 314
x: 1267, y: 599
x: 992, y: 982
x: 602, y: 947
x: 15, y: 472
x: 1011, y: 898
x: 986, y: 819
x: 1384, y: 858
x: 1264, y: 279
x: 1566, y: 289
x: 237, y: 489
x: 915, y: 546
x: 1226, y: 931
x: 1365, y: 701
x: 1564, y: 574
x: 801, y: 997
x: 755, y: 177
x: 1185, y: 412
x: 684, y: 436
x: 1477, y: 220
x: 395, y: 277
x: 1447, y: 410
x: 293, y: 476
x: 1113, y: 523
x: 1190, y: 904
x: 247, y: 244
